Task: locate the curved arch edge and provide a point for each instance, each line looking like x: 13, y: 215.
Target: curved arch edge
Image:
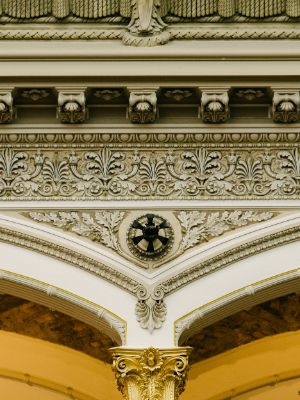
x: 65, y: 302
x: 72, y: 257
x: 231, y: 303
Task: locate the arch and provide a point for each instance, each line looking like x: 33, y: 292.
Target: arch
x: 265, y: 365
x: 65, y: 302
x: 231, y: 303
x: 50, y: 368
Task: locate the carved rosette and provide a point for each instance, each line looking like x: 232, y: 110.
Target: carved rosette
x: 151, y: 374
x: 286, y: 106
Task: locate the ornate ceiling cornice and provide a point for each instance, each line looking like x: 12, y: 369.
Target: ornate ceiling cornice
x: 155, y: 24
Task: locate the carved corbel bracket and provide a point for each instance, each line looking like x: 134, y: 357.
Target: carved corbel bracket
x: 72, y: 105
x: 7, y: 111
x: 214, y: 108
x: 142, y: 105
x: 286, y: 106
x: 151, y: 374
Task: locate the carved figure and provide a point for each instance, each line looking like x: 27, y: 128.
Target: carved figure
x: 146, y: 16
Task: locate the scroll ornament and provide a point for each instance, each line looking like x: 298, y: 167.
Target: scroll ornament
x: 123, y: 173
x: 151, y: 310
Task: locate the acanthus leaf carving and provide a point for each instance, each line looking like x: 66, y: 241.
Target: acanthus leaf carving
x: 113, y: 172
x: 101, y: 227
x: 199, y: 227
x: 103, y: 173
x: 151, y: 374
x: 146, y: 17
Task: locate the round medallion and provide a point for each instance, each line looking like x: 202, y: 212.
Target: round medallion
x: 150, y: 237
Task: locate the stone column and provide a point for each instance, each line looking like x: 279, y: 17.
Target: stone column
x: 151, y: 374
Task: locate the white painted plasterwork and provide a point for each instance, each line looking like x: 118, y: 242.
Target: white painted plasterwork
x: 150, y: 292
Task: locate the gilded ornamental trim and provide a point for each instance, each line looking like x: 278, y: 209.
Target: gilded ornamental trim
x: 111, y: 323
x: 151, y: 374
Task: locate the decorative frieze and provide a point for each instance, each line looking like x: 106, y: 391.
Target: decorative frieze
x: 71, y: 106
x: 7, y: 111
x: 150, y: 22
x: 201, y: 172
x: 151, y: 374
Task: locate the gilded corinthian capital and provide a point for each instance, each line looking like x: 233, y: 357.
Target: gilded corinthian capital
x: 151, y: 374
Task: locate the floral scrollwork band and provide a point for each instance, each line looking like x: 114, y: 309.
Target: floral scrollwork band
x: 109, y: 173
